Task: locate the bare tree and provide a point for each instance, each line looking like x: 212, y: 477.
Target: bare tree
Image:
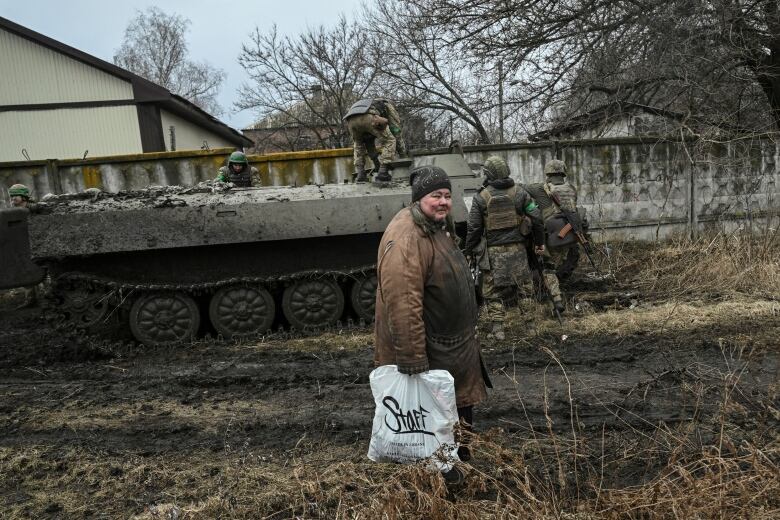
x: 306, y: 84
x: 707, y: 59
x: 155, y: 47
x: 450, y: 88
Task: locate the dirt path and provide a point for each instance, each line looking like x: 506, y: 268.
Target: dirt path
x: 80, y: 423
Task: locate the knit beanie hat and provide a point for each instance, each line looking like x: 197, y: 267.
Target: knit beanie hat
x: 425, y: 179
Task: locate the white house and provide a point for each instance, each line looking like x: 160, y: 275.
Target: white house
x: 57, y: 102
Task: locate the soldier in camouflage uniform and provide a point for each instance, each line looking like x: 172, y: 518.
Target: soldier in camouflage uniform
x: 561, y: 251
x: 498, y: 213
x: 375, y: 128
x: 239, y: 172
x: 20, y: 198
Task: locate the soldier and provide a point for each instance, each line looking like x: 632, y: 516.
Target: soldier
x: 375, y: 128
x: 239, y: 172
x: 20, y: 198
x: 561, y: 250
x: 498, y: 213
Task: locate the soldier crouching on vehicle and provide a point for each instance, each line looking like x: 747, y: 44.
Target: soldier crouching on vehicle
x: 239, y: 172
x: 498, y: 214
x: 561, y: 251
x: 375, y: 128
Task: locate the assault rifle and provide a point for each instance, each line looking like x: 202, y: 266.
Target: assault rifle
x: 574, y: 224
x: 540, y: 269
x: 479, y: 261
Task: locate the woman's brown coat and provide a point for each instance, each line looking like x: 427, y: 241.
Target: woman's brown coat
x: 426, y: 310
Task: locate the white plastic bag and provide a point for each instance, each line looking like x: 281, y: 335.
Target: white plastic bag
x: 415, y: 417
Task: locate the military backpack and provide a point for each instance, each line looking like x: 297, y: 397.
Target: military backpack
x: 559, y: 230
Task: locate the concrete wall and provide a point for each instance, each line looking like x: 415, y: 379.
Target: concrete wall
x: 631, y: 188
x: 114, y: 173
x: 637, y: 189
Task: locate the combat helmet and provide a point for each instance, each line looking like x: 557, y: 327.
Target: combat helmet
x: 19, y: 190
x: 555, y: 167
x: 238, y: 158
x: 495, y: 168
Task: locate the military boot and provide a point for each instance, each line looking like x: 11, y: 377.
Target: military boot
x: 454, y: 476
x: 464, y: 453
x: 383, y: 175
x: 361, y: 176
x: 559, y: 306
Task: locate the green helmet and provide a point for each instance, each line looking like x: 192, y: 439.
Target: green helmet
x: 238, y: 158
x: 19, y: 190
x: 495, y: 168
x: 555, y: 167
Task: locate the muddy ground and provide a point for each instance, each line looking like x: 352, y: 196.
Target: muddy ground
x: 92, y: 429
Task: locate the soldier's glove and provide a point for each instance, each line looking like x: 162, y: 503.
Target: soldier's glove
x: 415, y: 368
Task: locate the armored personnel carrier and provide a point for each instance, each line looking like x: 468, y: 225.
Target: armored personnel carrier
x: 167, y: 260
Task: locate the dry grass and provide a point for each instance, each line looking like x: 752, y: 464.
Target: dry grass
x: 722, y: 264
x: 674, y: 317
x: 535, y: 479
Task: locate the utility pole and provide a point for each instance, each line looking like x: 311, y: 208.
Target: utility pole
x: 500, y: 102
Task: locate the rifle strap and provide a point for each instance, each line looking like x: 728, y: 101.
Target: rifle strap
x: 553, y: 196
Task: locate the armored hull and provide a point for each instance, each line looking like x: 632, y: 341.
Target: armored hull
x: 172, y: 262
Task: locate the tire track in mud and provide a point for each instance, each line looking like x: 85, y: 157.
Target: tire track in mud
x: 215, y: 395
x: 268, y: 396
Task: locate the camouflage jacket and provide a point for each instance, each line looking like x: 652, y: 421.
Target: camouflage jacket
x: 524, y: 205
x: 223, y: 175
x: 565, y: 191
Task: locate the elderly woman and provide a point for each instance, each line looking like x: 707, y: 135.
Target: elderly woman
x: 426, y: 310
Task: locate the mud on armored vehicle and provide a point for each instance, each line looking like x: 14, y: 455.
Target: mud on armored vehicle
x: 170, y: 262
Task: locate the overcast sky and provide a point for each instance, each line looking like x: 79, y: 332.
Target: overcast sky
x: 215, y: 35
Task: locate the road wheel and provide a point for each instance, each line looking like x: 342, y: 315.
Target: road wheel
x: 363, y: 297
x: 309, y: 304
x: 84, y: 307
x: 159, y: 319
x: 239, y: 310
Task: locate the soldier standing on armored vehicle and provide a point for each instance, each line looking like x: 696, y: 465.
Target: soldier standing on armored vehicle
x: 239, y: 172
x: 561, y: 252
x: 498, y: 214
x: 375, y: 128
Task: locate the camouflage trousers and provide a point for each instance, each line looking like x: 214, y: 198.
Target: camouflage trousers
x: 506, y: 282
x: 394, y: 123
x: 367, y: 139
x: 557, y: 261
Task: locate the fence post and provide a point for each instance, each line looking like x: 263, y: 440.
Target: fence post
x: 693, y: 217
x: 53, y: 170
